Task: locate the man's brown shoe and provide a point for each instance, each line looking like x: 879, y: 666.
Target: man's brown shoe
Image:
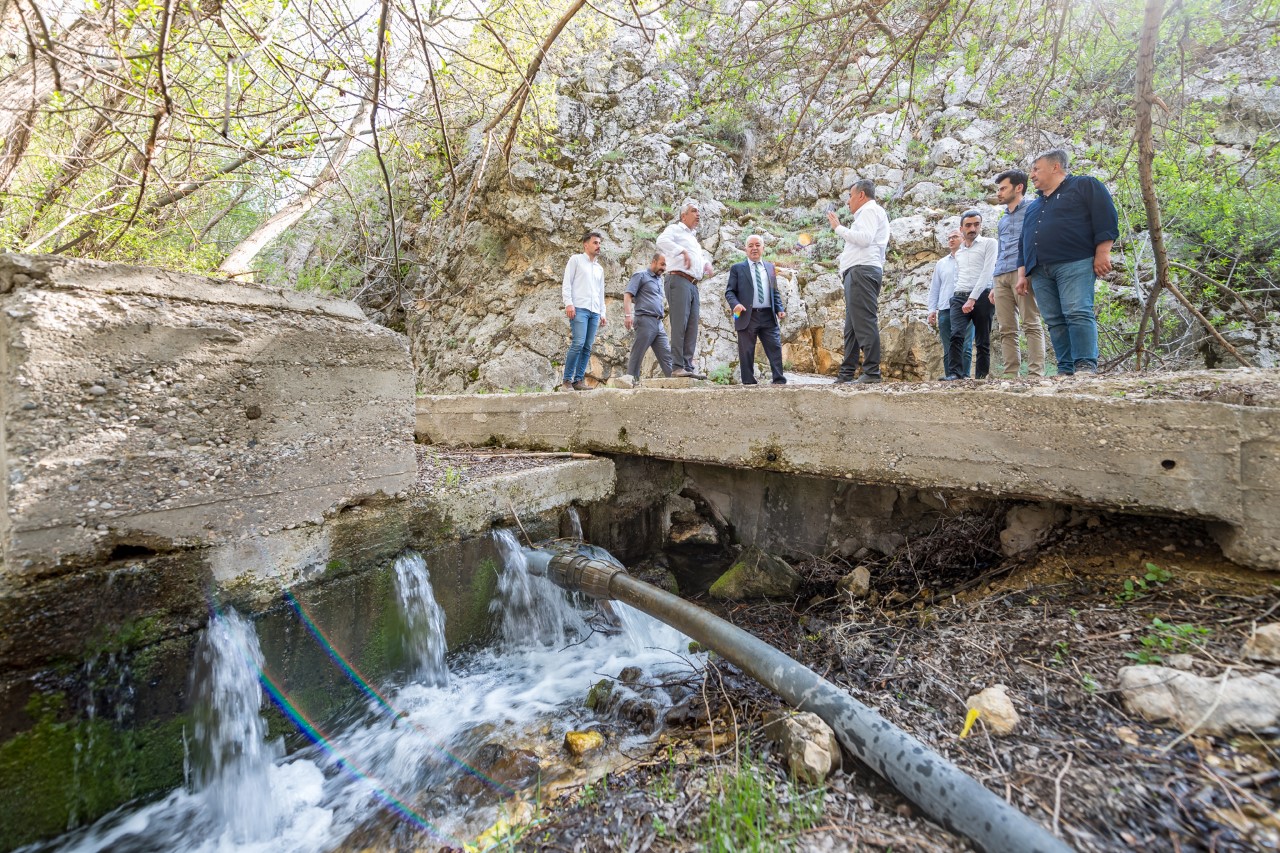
x: 580, y: 386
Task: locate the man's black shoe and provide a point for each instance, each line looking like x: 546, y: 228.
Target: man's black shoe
x: 778, y: 382
x: 840, y: 380
x: 867, y: 379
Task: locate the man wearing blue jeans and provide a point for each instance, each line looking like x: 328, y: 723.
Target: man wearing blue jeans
x: 1066, y: 245
x: 583, y: 294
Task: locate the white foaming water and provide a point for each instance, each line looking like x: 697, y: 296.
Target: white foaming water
x: 424, y: 621
x: 575, y: 522
x: 530, y: 609
x: 413, y: 753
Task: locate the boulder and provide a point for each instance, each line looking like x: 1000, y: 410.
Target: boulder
x: 1264, y: 645
x: 579, y: 744
x: 756, y: 574
x: 856, y: 584
x: 995, y: 709
x: 623, y: 381
x: 1026, y: 525
x: 1190, y: 702
x: 808, y: 744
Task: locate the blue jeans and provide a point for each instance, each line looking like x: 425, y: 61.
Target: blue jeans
x: 1064, y: 293
x: 583, y: 326
x: 944, y: 335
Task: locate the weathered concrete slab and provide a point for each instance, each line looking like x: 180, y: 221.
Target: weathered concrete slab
x: 156, y: 410
x: 1210, y: 450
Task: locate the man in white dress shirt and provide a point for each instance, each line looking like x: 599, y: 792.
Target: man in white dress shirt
x: 687, y: 265
x: 862, y: 269
x: 970, y: 302
x: 583, y: 294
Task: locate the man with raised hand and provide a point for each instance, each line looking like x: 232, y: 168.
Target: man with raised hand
x: 687, y: 265
x: 642, y: 311
x: 583, y: 294
x: 1013, y: 307
x: 862, y: 270
x: 941, y: 286
x: 975, y: 259
x: 1066, y: 245
x: 753, y: 295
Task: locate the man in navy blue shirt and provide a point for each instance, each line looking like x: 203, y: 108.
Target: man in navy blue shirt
x: 1066, y: 244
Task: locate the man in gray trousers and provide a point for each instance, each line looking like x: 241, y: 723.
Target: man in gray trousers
x: 862, y: 269
x: 687, y: 265
x: 642, y: 311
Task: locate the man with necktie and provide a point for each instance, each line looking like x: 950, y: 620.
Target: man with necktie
x: 757, y: 311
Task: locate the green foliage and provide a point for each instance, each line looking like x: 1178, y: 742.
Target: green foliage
x: 1137, y: 587
x: 1168, y: 638
x: 721, y: 375
x: 749, y: 810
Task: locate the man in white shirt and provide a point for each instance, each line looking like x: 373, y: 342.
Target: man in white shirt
x: 687, y: 265
x: 941, y: 287
x: 862, y: 269
x: 975, y: 263
x: 583, y: 294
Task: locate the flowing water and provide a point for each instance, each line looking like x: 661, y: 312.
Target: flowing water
x: 424, y: 621
x: 410, y: 760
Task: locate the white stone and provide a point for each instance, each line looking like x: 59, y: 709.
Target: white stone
x: 1212, y: 706
x: 808, y: 744
x: 995, y: 709
x: 1264, y: 645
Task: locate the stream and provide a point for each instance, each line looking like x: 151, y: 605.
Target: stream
x: 408, y: 766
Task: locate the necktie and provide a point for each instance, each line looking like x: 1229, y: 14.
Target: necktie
x: 755, y: 272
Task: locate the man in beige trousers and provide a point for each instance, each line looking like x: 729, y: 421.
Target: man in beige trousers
x: 1011, y: 186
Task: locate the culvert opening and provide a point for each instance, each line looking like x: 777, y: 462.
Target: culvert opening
x: 1168, y: 464
x: 125, y: 551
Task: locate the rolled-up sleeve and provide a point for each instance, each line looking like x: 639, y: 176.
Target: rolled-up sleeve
x: 1102, y: 213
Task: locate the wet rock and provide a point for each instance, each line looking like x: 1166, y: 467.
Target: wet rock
x: 995, y: 709
x: 856, y: 584
x: 1264, y: 645
x: 513, y: 768
x: 1024, y: 526
x: 808, y: 744
x: 1208, y: 705
x: 599, y: 695
x: 641, y: 711
x: 630, y: 674
x: 756, y: 574
x: 696, y: 533
x: 579, y: 744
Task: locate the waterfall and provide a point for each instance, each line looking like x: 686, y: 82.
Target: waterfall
x: 233, y: 757
x: 575, y: 523
x: 424, y: 620
x: 531, y: 610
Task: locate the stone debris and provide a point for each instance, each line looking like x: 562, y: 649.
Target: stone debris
x: 756, y: 574
x: 1264, y: 645
x: 808, y: 744
x: 1213, y: 706
x: 995, y: 709
x: 623, y: 381
x: 856, y: 584
x: 579, y: 744
x: 1026, y: 525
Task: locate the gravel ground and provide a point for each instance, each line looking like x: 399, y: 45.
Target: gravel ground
x: 441, y: 467
x: 1055, y: 630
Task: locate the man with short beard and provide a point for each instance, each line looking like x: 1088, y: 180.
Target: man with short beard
x: 642, y: 311
x: 1011, y: 306
x: 861, y: 266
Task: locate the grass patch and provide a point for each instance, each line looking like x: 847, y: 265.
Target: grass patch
x: 750, y: 809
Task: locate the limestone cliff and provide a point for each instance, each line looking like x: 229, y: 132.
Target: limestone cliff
x: 488, y: 313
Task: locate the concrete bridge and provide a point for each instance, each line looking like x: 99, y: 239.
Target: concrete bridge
x: 1203, y: 445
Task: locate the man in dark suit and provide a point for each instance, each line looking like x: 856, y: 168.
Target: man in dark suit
x: 757, y: 311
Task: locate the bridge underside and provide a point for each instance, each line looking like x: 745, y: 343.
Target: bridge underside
x: 1204, y: 445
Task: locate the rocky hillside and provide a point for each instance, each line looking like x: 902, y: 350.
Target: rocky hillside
x: 489, y: 314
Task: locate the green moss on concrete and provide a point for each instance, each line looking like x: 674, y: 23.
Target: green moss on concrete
x: 62, y: 773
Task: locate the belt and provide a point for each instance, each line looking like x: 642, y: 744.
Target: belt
x: 683, y: 275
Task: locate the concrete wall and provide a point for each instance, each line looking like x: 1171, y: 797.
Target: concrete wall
x: 1106, y: 443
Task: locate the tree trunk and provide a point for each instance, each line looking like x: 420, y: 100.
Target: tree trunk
x: 238, y: 262
x: 1146, y: 97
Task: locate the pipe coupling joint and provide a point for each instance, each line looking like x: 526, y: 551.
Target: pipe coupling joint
x: 582, y: 574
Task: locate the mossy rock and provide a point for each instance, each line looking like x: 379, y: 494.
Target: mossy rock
x: 756, y: 574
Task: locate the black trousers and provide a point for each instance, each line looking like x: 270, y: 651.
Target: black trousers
x: 861, y: 325
x: 980, y: 317
x: 763, y: 326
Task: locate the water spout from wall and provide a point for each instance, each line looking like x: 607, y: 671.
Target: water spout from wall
x: 530, y: 609
x: 424, y: 621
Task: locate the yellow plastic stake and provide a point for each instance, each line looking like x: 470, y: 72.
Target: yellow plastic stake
x: 969, y: 720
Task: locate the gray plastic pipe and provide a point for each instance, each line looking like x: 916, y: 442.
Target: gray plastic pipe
x: 945, y: 792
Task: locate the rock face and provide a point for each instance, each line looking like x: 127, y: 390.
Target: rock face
x: 1207, y: 705
x: 756, y: 575
x: 808, y: 744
